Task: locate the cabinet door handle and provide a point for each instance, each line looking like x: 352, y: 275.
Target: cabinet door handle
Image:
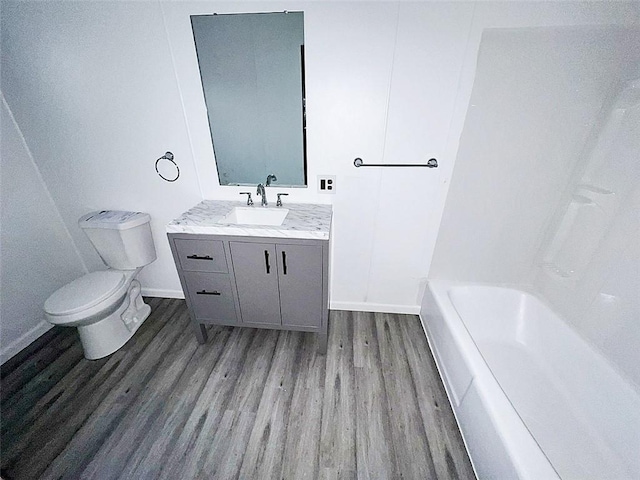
x: 198, y: 257
x: 284, y: 262
x: 204, y: 292
x: 266, y: 261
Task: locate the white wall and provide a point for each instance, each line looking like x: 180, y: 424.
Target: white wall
x: 538, y: 93
x: 92, y: 86
x: 101, y: 90
x: 380, y: 81
x: 106, y: 71
x: 38, y: 256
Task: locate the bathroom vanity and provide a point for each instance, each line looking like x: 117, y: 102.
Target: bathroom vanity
x: 252, y: 274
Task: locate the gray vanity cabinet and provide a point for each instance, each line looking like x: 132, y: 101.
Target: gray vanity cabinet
x: 300, y: 285
x: 211, y: 295
x: 279, y: 283
x: 203, y: 268
x: 254, y: 265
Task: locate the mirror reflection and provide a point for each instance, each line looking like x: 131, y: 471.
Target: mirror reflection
x: 252, y: 71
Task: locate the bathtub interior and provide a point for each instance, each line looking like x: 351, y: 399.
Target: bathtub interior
x: 582, y: 414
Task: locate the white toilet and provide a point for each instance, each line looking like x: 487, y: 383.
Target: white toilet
x: 107, y: 306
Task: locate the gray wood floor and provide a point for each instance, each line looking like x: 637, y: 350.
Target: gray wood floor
x: 249, y: 404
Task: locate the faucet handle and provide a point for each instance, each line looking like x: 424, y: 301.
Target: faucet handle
x: 249, y: 200
x: 279, y: 202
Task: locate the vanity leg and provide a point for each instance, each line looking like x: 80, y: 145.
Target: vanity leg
x: 200, y: 331
x: 323, y: 340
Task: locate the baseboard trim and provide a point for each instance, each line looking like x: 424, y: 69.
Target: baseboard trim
x: 161, y: 292
x: 24, y: 341
x: 376, y: 307
x: 353, y: 306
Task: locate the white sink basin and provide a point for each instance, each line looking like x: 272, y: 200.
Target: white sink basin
x: 255, y: 216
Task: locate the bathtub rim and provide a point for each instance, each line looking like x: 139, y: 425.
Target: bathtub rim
x: 527, y: 458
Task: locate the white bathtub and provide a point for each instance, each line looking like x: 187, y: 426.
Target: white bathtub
x: 532, y: 399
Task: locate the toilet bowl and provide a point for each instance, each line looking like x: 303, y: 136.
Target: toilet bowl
x: 107, y: 306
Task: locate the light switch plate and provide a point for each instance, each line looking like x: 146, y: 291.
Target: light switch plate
x: 326, y: 184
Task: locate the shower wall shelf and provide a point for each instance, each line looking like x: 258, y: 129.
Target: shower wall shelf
x: 582, y: 228
x: 431, y: 163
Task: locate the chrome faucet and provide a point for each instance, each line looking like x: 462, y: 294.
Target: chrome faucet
x: 261, y: 191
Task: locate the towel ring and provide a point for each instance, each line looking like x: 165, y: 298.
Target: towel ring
x: 169, y: 157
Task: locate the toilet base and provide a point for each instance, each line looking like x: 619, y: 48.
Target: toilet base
x: 108, y: 335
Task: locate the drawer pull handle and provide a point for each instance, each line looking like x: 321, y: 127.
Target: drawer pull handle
x: 198, y: 257
x: 204, y: 292
x: 266, y: 261
x: 284, y: 262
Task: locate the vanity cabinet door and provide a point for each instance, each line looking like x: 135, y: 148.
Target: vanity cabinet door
x: 256, y: 271
x: 300, y: 281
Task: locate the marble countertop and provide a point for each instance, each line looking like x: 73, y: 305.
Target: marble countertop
x: 304, y: 220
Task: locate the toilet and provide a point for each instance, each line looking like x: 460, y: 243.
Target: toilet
x: 107, y: 306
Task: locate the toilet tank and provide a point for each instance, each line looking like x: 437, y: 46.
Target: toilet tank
x: 123, y: 239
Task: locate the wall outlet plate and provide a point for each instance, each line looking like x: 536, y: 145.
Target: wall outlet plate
x: 326, y: 184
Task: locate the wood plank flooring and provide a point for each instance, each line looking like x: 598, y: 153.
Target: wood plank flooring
x: 249, y: 404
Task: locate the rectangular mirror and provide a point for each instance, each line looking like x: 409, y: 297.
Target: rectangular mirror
x: 252, y: 71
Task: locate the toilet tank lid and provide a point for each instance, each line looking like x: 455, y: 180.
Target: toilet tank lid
x: 113, y: 219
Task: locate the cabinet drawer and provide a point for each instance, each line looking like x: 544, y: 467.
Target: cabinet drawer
x: 211, y: 296
x: 201, y: 255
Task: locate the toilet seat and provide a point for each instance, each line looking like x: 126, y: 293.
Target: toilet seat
x: 84, y: 293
